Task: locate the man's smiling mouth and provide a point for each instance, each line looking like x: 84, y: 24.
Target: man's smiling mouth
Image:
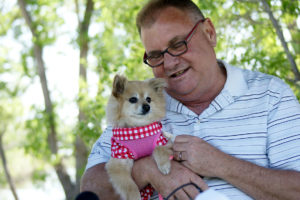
x: 179, y: 73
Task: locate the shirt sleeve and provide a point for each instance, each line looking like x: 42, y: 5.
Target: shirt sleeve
x: 101, y: 150
x: 283, y: 145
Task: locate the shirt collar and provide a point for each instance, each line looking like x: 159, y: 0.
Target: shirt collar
x: 235, y: 84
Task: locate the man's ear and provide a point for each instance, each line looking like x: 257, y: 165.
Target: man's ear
x: 119, y: 85
x: 158, y: 84
x: 210, y: 32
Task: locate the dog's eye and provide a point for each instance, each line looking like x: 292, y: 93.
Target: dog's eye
x: 133, y: 100
x: 148, y: 99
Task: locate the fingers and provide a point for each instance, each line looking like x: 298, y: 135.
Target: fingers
x: 187, y: 191
x: 181, y: 194
x: 179, y: 147
x: 183, y: 142
x: 189, y: 184
x: 191, y: 191
x: 183, y: 138
x: 199, y: 182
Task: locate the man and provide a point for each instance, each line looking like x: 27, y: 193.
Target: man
x: 238, y: 129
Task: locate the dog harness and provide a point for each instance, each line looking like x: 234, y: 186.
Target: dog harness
x: 135, y: 143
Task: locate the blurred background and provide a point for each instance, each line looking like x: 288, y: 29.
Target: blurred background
x: 57, y: 61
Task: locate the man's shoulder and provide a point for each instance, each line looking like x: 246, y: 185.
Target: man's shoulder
x: 245, y: 83
x: 261, y: 81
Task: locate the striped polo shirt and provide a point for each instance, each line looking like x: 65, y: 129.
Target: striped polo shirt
x: 256, y: 117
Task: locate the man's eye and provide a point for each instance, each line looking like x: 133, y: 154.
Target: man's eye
x: 148, y: 99
x: 133, y: 100
x: 177, y: 45
x: 154, y: 56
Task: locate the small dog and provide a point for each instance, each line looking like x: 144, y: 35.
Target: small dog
x: 134, y: 110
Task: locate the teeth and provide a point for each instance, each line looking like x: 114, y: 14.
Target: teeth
x: 178, y: 73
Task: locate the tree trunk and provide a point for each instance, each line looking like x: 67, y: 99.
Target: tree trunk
x: 64, y: 178
x: 81, y: 152
x: 282, y: 40
x: 6, y: 171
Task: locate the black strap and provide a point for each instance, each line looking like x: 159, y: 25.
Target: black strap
x: 182, y: 186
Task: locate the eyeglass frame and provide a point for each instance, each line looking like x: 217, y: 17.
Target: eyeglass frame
x: 185, y: 41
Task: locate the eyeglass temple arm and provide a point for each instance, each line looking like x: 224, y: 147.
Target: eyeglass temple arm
x: 189, y: 36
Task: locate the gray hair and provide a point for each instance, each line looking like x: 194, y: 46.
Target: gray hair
x: 148, y: 14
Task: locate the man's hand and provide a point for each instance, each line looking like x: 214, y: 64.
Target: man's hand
x: 165, y: 184
x: 198, y: 155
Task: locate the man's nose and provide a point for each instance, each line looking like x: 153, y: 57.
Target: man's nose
x: 170, y: 61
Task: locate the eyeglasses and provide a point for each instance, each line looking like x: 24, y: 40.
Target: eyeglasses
x: 157, y: 58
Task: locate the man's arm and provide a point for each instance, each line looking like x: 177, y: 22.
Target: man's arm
x: 262, y: 183
x: 258, y: 182
x: 96, y: 180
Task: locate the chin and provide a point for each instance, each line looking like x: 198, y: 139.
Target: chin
x: 179, y: 91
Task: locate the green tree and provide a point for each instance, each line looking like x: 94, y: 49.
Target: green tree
x: 7, y: 116
x: 10, y: 106
x: 39, y: 24
x: 81, y: 151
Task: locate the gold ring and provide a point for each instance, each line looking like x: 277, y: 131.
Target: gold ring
x: 180, y: 155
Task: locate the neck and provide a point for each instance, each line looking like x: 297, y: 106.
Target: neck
x: 198, y: 107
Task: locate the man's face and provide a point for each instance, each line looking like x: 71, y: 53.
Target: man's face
x: 191, y: 74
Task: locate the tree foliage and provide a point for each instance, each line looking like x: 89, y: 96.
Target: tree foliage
x: 248, y: 39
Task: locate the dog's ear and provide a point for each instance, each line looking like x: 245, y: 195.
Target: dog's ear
x: 119, y: 85
x: 158, y: 84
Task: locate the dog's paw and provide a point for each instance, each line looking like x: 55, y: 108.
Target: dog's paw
x: 169, y: 136
x: 162, y: 158
x: 133, y: 195
x: 164, y: 167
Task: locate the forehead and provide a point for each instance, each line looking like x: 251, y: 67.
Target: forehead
x: 169, y: 24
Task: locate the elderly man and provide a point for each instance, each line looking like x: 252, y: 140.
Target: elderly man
x: 239, y: 130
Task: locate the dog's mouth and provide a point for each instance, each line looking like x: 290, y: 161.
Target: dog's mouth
x: 143, y: 113
x: 140, y: 114
x: 179, y: 73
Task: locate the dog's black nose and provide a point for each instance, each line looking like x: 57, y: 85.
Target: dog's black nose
x: 146, y: 108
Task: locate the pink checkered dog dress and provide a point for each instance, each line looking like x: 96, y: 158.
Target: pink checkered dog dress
x: 135, y: 143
